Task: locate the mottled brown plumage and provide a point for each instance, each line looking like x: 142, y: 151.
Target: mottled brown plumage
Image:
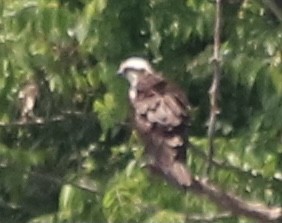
x: 160, y: 118
x: 28, y: 96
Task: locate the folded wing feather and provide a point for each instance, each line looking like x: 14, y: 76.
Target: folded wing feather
x: 164, y: 114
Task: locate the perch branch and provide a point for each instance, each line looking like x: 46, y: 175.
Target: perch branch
x: 237, y: 206
x: 230, y: 202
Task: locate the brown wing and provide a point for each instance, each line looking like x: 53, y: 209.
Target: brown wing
x: 161, y: 120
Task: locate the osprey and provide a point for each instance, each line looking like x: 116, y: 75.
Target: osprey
x: 160, y: 118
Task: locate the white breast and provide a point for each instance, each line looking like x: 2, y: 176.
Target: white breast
x: 132, y: 93
x: 132, y: 77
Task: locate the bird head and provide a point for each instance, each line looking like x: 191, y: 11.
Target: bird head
x: 133, y: 67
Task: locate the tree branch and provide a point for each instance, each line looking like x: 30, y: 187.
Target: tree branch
x: 276, y: 10
x: 214, y: 89
x: 236, y: 205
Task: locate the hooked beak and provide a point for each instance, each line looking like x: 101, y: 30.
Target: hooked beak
x: 120, y: 72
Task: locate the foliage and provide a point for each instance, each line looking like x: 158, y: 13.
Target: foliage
x: 82, y: 163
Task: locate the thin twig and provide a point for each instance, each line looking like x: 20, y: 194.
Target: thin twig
x: 82, y: 184
x: 214, y: 89
x: 209, y: 218
x: 38, y: 121
x: 79, y: 183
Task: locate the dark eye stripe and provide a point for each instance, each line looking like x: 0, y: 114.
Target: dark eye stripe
x: 134, y: 69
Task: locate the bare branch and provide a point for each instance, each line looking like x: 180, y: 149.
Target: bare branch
x: 214, y: 89
x: 276, y: 10
x: 237, y: 206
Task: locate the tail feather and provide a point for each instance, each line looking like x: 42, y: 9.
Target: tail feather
x: 177, y: 174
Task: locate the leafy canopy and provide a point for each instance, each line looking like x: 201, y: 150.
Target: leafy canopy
x: 82, y: 164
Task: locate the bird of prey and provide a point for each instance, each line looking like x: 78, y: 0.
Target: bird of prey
x: 28, y: 96
x: 160, y: 118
